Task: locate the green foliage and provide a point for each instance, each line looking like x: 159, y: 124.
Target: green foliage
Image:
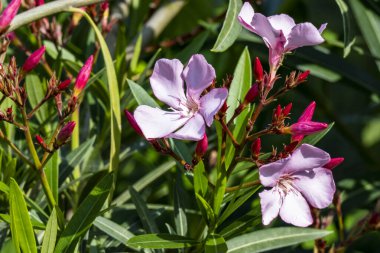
x: 162, y: 241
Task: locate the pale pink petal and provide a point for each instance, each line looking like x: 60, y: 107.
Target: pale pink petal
x: 270, y: 201
x: 282, y: 22
x: 271, y: 172
x: 193, y: 130
x: 322, y: 27
x: 259, y: 24
x: 167, y: 83
x: 156, y: 123
x: 306, y: 157
x: 211, y: 103
x: 316, y: 185
x: 304, y: 34
x: 198, y: 75
x: 295, y: 210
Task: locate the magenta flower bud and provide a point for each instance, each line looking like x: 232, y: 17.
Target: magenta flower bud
x: 251, y: 94
x: 133, y: 122
x: 9, y: 13
x: 33, y: 59
x: 40, y: 140
x: 65, y: 133
x: 307, y: 114
x: 39, y: 2
x: 224, y: 107
x: 307, y: 127
x: 333, y: 163
x: 277, y: 112
x: 286, y: 110
x: 255, y: 148
x: 303, y: 76
x: 258, y: 70
x: 83, y: 76
x: 202, y: 146
x: 63, y: 85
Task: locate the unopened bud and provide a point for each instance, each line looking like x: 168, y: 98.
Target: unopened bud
x: 202, y: 146
x: 307, y: 114
x: 224, y: 107
x: 33, y: 59
x: 333, y: 163
x: 306, y: 128
x: 58, y: 103
x: 277, y: 112
x: 40, y: 140
x: 251, y: 94
x: 104, y: 6
x: 39, y: 2
x: 133, y: 122
x: 65, y: 133
x: 63, y: 85
x: 9, y: 13
x: 286, y: 110
x: 258, y: 69
x: 83, y: 76
x: 255, y: 148
x: 303, y: 76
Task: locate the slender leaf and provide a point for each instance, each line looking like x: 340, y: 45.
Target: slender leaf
x: 21, y: 226
x: 348, y: 41
x: 215, y: 244
x: 315, y: 138
x: 142, y: 97
x: 200, y: 179
x: 162, y: 241
x: 136, y: 54
x: 180, y: 219
x: 207, y: 212
x: 52, y: 174
x: 85, y: 215
x: 240, y: 225
x: 231, y: 27
x: 50, y: 236
x: 273, y: 238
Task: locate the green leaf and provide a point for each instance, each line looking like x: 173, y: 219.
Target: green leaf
x: 315, y: 138
x: 142, y: 210
x: 52, y: 174
x: 136, y: 53
x: 114, y: 230
x: 50, y: 235
x: 200, y: 179
x: 207, y: 212
x: 348, y: 41
x: 240, y: 84
x: 180, y: 219
x: 273, y: 238
x: 231, y: 27
x: 142, y: 97
x: 368, y: 22
x: 240, y: 225
x: 215, y: 244
x: 21, y: 226
x: 84, y: 215
x: 36, y: 90
x: 162, y: 241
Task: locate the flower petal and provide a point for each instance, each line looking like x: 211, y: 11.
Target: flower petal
x: 304, y: 34
x: 166, y: 82
x: 259, y: 24
x: 282, y: 22
x: 156, y: 123
x: 198, y: 75
x: 211, y: 103
x: 193, y: 130
x: 270, y: 201
x: 271, y: 172
x: 306, y: 157
x: 317, y: 186
x: 295, y: 210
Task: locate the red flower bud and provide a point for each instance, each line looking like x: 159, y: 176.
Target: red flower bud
x: 104, y: 6
x: 251, y: 94
x: 9, y: 13
x: 255, y: 148
x: 307, y: 114
x: 277, y: 112
x: 133, y: 122
x: 39, y: 2
x: 40, y: 140
x: 65, y: 133
x: 63, y: 85
x: 83, y: 76
x: 302, y: 77
x: 33, y: 59
x: 224, y: 107
x: 202, y: 146
x: 258, y: 70
x: 333, y: 163
x: 286, y: 110
x: 307, y: 127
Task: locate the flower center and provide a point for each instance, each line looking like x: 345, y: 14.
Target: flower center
x: 189, y: 108
x: 285, y: 183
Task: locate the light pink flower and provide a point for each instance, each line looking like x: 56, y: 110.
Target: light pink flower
x: 279, y: 32
x: 297, y: 181
x: 189, y: 113
x: 306, y: 116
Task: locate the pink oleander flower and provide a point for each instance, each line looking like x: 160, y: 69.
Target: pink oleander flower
x: 32, y: 61
x: 296, y: 182
x: 83, y: 76
x: 306, y: 128
x: 65, y: 133
x: 189, y: 112
x: 279, y: 32
x: 306, y: 116
x: 9, y: 13
x: 202, y: 145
